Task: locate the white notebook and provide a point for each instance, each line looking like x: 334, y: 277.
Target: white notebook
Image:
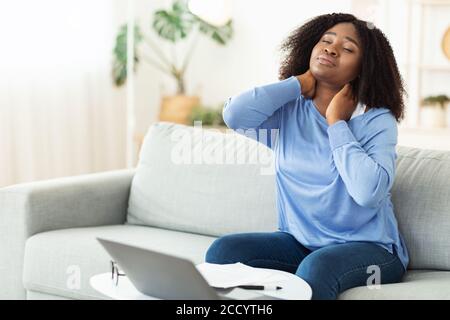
x: 236, y: 274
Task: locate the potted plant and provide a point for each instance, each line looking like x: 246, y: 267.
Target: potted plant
x: 209, y: 117
x: 173, y: 25
x: 433, y: 111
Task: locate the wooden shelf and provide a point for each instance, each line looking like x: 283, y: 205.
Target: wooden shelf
x: 436, y: 68
x: 432, y: 2
x: 426, y: 138
x: 431, y: 67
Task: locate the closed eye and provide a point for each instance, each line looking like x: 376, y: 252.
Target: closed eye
x: 346, y: 49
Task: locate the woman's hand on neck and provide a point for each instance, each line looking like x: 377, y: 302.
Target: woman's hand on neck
x: 341, y: 106
x: 325, y: 92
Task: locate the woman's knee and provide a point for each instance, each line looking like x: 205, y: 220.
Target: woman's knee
x: 318, y: 272
x: 222, y: 250
x: 334, y: 269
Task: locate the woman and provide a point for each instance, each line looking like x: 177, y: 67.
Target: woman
x: 336, y: 108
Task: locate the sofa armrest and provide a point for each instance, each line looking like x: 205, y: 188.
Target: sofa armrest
x: 71, y: 202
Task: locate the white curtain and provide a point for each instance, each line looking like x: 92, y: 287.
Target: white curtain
x: 59, y: 112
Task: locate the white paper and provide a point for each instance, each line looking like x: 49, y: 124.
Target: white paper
x: 235, y: 274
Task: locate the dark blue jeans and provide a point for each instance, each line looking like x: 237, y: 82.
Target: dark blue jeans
x: 329, y: 270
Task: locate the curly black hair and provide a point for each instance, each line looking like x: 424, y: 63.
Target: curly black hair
x: 379, y: 84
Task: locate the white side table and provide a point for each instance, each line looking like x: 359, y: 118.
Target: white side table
x: 294, y: 288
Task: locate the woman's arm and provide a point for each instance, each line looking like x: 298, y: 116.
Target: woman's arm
x: 253, y: 108
x: 256, y: 112
x: 367, y: 171
x: 260, y: 107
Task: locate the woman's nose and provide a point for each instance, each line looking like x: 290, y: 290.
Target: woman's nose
x: 330, y: 51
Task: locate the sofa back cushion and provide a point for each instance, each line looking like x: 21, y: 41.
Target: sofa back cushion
x: 187, y: 180
x: 421, y: 198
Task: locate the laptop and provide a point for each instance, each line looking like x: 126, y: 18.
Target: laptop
x: 164, y: 276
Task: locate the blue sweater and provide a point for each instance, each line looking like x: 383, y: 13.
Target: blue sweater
x: 333, y: 182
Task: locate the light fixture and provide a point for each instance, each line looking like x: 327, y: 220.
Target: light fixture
x: 215, y: 12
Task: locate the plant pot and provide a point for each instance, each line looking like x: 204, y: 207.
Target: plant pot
x: 432, y: 117
x: 178, y: 108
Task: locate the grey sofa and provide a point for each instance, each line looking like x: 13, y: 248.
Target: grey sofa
x: 178, y: 202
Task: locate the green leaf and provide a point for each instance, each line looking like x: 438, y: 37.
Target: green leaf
x: 440, y: 100
x: 174, y: 24
x: 221, y: 35
x: 119, y: 68
x: 207, y: 115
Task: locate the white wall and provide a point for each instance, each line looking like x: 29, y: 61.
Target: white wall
x: 58, y: 113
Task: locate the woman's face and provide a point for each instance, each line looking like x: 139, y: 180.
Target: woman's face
x: 336, y: 58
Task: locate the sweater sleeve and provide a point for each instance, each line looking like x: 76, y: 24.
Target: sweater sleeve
x: 367, y: 171
x: 255, y: 112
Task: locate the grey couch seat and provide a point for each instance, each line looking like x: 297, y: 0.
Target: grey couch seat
x: 415, y: 285
x: 53, y: 258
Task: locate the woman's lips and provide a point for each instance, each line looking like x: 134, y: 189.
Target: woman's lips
x: 325, y: 62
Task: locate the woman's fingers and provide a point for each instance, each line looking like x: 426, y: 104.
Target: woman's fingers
x: 347, y: 88
x: 347, y: 91
x: 308, y: 84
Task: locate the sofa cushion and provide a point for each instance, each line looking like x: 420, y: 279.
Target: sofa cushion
x: 178, y: 185
x: 421, y: 199
x: 52, y: 259
x: 416, y: 285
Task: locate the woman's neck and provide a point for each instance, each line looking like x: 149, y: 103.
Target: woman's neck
x: 323, y: 96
